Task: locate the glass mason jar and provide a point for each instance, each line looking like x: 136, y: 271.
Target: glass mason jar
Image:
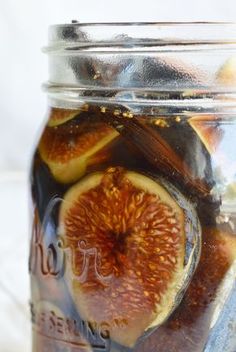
x: 133, y: 245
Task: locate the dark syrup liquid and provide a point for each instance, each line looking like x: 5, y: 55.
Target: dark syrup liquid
x: 163, y: 147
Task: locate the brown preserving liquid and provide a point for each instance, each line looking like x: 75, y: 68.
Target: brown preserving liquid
x: 130, y: 246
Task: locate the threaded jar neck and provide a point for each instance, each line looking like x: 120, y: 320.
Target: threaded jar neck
x: 165, y: 63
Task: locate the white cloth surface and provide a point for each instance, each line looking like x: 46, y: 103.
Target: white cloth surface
x: 14, y: 282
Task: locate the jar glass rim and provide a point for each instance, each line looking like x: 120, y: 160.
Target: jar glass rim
x: 142, y: 33
x: 115, y: 59
x: 148, y: 23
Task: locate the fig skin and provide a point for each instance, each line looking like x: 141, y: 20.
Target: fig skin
x: 70, y: 148
x: 101, y: 214
x: 187, y: 329
x: 208, y: 129
x: 194, y: 161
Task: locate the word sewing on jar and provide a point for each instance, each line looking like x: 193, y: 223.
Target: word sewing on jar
x: 56, y: 326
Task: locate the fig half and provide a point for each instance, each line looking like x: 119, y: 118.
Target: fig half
x: 132, y: 246
x: 69, y: 149
x: 189, y: 326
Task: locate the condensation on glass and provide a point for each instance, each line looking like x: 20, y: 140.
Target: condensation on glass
x: 133, y: 183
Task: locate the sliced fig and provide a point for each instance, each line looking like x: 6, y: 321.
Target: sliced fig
x: 188, y: 328
x: 208, y: 129
x: 59, y: 116
x: 227, y: 73
x: 69, y: 149
x: 132, y: 245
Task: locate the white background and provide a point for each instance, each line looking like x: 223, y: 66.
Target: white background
x: 23, y: 31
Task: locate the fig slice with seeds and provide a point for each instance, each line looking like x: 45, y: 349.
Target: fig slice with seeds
x: 59, y: 116
x: 69, y: 149
x: 132, y: 245
x: 188, y: 328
